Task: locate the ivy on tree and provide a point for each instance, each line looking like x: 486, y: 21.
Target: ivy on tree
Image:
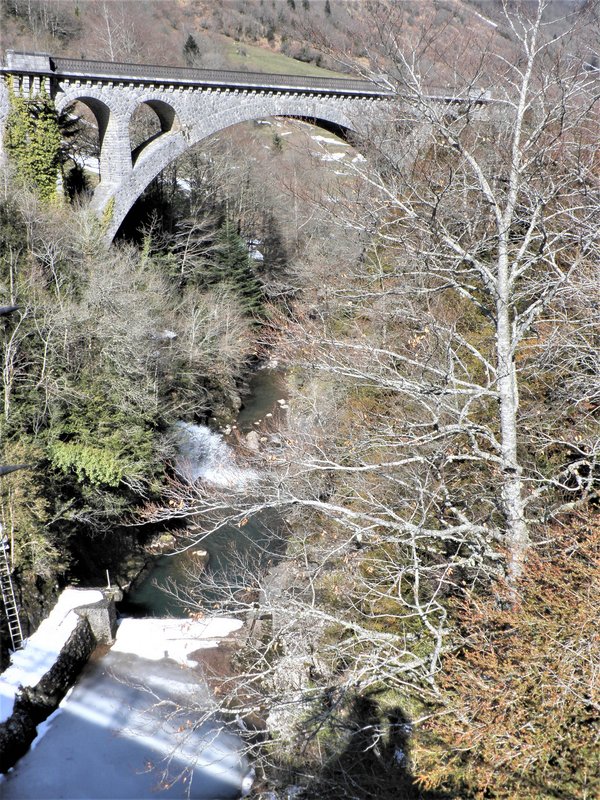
x: 33, y: 141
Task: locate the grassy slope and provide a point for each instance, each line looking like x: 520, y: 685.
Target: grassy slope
x: 258, y: 59
x: 148, y: 32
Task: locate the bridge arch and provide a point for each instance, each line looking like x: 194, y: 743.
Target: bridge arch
x: 160, y: 151
x: 190, y: 104
x: 164, y: 114
x: 115, y: 154
x: 99, y: 109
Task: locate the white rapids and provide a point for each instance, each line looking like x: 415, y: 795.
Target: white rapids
x: 204, y: 455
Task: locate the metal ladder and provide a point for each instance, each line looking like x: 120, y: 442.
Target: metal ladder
x: 8, y: 596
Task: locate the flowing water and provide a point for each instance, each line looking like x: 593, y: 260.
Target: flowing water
x: 123, y: 731
x: 206, y: 455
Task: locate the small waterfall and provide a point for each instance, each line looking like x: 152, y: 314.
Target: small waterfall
x: 204, y: 455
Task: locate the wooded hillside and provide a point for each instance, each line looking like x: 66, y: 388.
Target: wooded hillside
x: 428, y: 604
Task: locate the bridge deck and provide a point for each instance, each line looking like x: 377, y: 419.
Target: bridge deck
x: 185, y: 76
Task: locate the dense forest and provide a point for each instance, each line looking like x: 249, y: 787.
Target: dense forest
x: 431, y: 586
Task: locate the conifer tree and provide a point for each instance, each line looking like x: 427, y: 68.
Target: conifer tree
x: 232, y: 266
x: 191, y: 51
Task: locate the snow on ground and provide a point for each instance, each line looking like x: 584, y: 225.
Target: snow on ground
x: 154, y: 639
x: 43, y: 728
x: 329, y: 140
x: 31, y: 663
x: 89, y: 163
x: 126, y: 722
x: 332, y: 156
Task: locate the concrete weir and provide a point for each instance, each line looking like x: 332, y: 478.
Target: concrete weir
x: 141, y: 718
x: 43, y: 671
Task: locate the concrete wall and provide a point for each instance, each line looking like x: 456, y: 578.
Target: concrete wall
x: 33, y: 705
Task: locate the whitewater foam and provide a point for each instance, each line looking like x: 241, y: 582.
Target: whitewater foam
x: 204, y: 455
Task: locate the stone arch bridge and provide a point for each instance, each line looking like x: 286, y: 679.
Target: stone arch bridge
x: 190, y: 104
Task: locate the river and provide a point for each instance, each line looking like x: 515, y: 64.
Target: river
x: 132, y: 725
x: 148, y: 598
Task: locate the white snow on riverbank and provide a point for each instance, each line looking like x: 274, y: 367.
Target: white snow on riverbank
x: 39, y: 654
x: 154, y: 639
x: 329, y: 140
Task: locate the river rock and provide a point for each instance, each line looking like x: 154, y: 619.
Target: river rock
x: 252, y: 441
x: 201, y: 557
x: 165, y: 541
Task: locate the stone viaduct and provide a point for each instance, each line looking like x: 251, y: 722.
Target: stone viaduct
x: 190, y: 104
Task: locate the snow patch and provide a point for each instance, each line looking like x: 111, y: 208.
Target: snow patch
x: 332, y: 156
x: 176, y: 639
x: 43, y: 728
x: 88, y: 163
x: 329, y: 140
x: 484, y: 19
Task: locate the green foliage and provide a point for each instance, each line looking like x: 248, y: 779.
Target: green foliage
x: 107, y: 215
x: 191, y: 51
x: 90, y: 463
x: 103, y: 440
x: 33, y: 141
x: 232, y: 266
x: 25, y: 511
x: 90, y: 384
x: 12, y: 231
x: 277, y: 143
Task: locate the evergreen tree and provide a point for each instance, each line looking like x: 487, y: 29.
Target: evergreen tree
x: 191, y: 51
x: 233, y: 267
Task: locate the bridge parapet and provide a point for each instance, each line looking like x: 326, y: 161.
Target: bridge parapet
x: 72, y: 68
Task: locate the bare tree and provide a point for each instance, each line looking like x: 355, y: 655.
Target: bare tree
x: 426, y: 445
x: 498, y: 216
